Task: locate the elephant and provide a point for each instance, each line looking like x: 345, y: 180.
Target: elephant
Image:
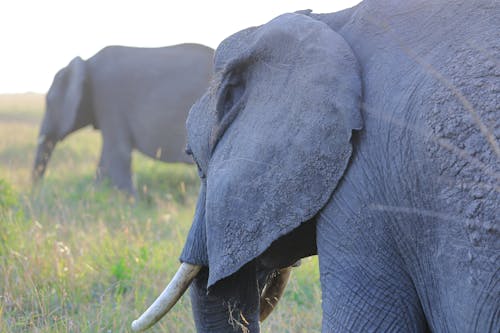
x: 138, y: 98
x: 367, y: 137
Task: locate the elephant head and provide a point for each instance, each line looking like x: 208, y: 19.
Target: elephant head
x: 271, y: 139
x: 403, y: 214
x: 64, y: 105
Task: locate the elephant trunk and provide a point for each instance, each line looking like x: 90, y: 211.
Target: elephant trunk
x: 43, y: 152
x: 231, y: 306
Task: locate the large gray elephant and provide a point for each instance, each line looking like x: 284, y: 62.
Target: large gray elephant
x: 138, y: 98
x: 368, y: 137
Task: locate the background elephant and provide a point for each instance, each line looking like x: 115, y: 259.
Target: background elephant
x: 367, y: 136
x: 139, y: 98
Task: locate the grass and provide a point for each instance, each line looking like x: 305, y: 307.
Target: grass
x: 79, y: 258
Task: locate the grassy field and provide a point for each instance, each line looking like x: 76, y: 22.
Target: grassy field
x: 79, y: 258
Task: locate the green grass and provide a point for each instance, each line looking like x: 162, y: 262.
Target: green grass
x: 79, y: 258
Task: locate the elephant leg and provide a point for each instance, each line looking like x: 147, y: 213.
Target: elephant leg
x: 214, y: 313
x: 115, y: 164
x: 364, y: 285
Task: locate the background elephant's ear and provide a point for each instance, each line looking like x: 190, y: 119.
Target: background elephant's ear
x: 65, y: 96
x: 293, y: 100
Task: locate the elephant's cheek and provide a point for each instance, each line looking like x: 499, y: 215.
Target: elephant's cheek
x: 195, y: 249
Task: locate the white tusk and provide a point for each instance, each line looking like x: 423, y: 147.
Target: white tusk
x: 170, y: 295
x: 272, y: 292
x: 41, y: 139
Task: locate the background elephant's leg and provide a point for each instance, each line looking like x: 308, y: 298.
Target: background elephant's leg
x: 364, y: 283
x: 215, y: 315
x: 115, y: 164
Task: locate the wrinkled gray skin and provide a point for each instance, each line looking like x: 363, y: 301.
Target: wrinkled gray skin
x: 369, y: 137
x: 138, y: 98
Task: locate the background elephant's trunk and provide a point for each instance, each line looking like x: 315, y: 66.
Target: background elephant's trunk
x: 43, y: 152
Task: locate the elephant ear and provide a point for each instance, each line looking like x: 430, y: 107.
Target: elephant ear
x: 282, y: 118
x: 65, y: 96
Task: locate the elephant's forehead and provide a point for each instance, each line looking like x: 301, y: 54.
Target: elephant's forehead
x: 284, y: 37
x: 231, y: 47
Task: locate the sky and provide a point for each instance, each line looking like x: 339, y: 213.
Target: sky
x: 39, y: 37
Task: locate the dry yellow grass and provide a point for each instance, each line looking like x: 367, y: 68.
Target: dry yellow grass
x: 80, y: 258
